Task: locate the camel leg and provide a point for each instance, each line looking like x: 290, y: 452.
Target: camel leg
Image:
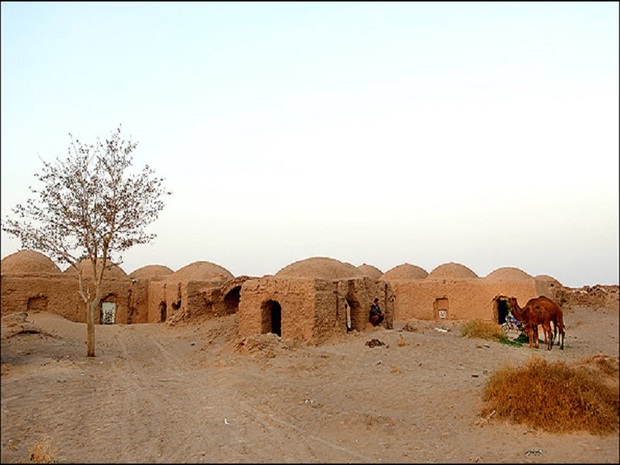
x: 551, y: 339
x: 547, y: 334
x: 528, y: 332
x: 532, y: 335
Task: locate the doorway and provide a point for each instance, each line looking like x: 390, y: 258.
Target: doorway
x: 108, y: 313
x: 349, y: 321
x: 441, y: 307
x: 503, y: 309
x: 271, y: 318
x: 355, y: 317
x: 231, y: 300
x: 163, y: 312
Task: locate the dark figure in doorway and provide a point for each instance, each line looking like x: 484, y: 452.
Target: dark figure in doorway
x: 376, y: 314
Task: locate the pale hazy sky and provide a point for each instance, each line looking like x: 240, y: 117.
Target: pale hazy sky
x: 484, y: 134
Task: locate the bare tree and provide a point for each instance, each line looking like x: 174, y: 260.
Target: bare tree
x: 90, y: 208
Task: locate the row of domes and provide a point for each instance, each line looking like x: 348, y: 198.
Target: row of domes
x: 29, y: 261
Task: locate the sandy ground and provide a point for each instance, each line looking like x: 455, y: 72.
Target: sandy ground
x: 196, y: 393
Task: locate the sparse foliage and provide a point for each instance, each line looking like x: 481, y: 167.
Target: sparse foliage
x: 42, y: 451
x: 555, y: 396
x: 478, y: 329
x: 89, y: 207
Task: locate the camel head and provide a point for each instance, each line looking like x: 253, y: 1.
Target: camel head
x: 512, y: 303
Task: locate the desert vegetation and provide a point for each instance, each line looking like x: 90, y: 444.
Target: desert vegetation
x: 556, y: 396
x: 198, y: 392
x: 43, y: 452
x: 553, y: 396
x: 483, y: 330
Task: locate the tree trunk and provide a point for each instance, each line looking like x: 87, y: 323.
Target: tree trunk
x: 90, y: 327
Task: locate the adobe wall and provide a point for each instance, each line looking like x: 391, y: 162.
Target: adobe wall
x: 360, y: 294
x: 467, y: 298
x: 157, y: 294
x: 58, y: 293
x: 329, y: 316
x: 185, y: 300
x: 120, y: 292
x: 172, y: 294
x: 313, y: 310
x: 139, y: 302
x: 200, y: 300
x: 296, y: 297
x: 46, y: 292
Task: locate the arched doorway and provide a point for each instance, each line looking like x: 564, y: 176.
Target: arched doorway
x: 231, y: 300
x: 271, y: 317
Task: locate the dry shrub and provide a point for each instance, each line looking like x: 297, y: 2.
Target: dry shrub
x: 554, y: 397
x: 42, y: 452
x: 483, y: 330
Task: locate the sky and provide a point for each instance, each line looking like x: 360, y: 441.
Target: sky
x: 484, y: 134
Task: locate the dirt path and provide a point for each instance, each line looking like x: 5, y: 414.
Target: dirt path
x: 197, y: 394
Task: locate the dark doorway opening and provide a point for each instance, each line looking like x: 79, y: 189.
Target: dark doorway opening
x: 231, y: 300
x: 503, y: 309
x: 271, y: 318
x: 163, y: 312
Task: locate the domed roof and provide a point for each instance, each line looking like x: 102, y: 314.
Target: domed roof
x: 405, y: 271
x: 452, y: 270
x: 547, y: 279
x: 370, y: 271
x: 508, y: 273
x: 113, y: 271
x: 320, y: 268
x: 28, y: 261
x: 201, y: 271
x: 151, y: 271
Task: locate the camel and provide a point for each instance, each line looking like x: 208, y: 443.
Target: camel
x: 540, y: 311
x: 555, y: 314
x: 531, y: 317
